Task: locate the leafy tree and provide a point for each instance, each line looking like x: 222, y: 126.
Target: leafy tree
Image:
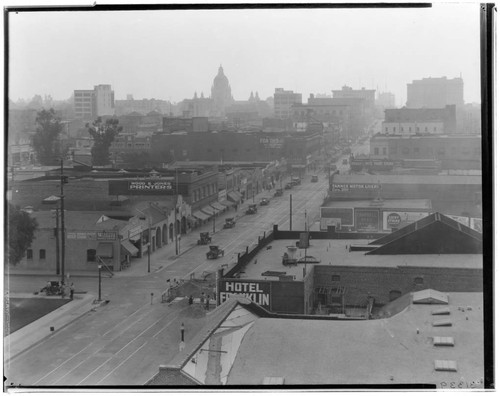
x: 45, y: 141
x: 21, y: 230
x: 103, y: 135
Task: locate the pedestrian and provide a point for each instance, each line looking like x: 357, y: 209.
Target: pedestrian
x: 202, y: 299
x: 71, y: 291
x: 190, y: 301
x: 207, y: 306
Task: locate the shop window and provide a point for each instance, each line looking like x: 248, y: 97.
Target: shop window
x: 91, y: 254
x: 29, y: 254
x: 335, y: 278
x: 42, y: 254
x: 418, y: 280
x: 384, y: 150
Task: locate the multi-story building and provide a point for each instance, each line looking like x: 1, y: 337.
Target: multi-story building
x: 453, y: 152
x: 409, y: 121
x: 221, y: 93
x: 435, y: 92
x: 84, y: 102
x: 386, y: 100
x: 105, y: 100
x: 283, y: 102
x: 141, y: 106
x: 90, y: 104
x: 368, y: 95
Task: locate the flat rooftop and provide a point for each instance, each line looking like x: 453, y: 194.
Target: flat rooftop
x: 334, y: 252
x: 408, y: 179
x: 386, y: 203
x: 380, y: 351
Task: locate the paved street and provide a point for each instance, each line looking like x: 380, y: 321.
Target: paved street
x: 108, y: 345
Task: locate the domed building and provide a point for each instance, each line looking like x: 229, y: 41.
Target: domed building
x: 221, y: 93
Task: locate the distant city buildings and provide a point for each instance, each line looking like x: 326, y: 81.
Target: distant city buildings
x: 142, y: 106
x: 408, y: 121
x: 90, y: 104
x: 221, y: 93
x: 435, y: 92
x: 283, y: 102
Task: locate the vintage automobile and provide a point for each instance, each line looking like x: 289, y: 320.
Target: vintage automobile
x: 53, y: 288
x: 230, y: 223
x: 205, y: 238
x: 214, y: 253
x: 288, y: 186
x: 314, y: 178
x: 295, y: 181
x: 279, y: 192
x: 252, y: 209
x: 264, y: 202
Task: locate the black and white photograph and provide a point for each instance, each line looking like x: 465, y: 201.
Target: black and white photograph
x: 270, y: 197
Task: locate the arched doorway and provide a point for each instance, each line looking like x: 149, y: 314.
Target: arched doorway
x: 171, y: 231
x: 183, y: 225
x: 158, y: 237
x: 164, y: 234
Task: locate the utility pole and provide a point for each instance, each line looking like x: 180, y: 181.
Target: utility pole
x: 213, y: 217
x: 58, y: 263
x: 290, y: 212
x: 63, y: 231
x: 176, y: 231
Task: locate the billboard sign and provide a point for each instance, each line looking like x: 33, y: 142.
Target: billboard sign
x: 392, y: 220
x: 257, y: 291
x: 346, y: 215
x: 367, y: 220
x: 325, y: 222
x: 271, y: 142
x: 355, y: 186
x: 141, y: 187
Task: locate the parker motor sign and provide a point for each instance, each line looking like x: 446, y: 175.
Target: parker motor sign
x: 141, y: 187
x: 400, y: 219
x: 258, y: 292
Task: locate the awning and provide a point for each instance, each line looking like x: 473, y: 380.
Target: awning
x: 234, y: 196
x: 200, y: 215
x: 129, y: 247
x: 227, y: 203
x: 218, y: 206
x: 105, y: 250
x: 209, y: 210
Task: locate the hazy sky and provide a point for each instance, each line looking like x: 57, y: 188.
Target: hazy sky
x: 171, y: 54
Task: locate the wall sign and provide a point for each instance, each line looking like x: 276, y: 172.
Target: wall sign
x: 256, y: 291
x: 392, y: 220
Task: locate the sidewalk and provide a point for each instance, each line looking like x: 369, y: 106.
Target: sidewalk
x: 31, y: 334
x: 138, y: 266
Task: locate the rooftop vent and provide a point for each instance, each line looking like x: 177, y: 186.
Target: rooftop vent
x: 443, y: 341
x: 445, y: 365
x: 441, y: 323
x: 442, y: 311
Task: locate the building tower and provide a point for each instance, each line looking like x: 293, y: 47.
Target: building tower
x: 221, y: 93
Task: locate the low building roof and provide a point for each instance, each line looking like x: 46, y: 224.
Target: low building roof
x: 383, y: 204
x: 408, y: 179
x: 78, y: 220
x: 242, y: 345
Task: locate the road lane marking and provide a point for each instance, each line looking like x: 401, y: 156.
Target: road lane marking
x: 63, y: 363
x: 107, y: 360
x: 133, y: 353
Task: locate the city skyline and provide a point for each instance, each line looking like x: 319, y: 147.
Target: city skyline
x: 393, y: 47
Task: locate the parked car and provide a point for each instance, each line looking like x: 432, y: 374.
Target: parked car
x: 314, y: 178
x: 288, y: 186
x: 252, y: 209
x: 230, y: 223
x: 205, y: 238
x: 264, y: 202
x: 279, y: 192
